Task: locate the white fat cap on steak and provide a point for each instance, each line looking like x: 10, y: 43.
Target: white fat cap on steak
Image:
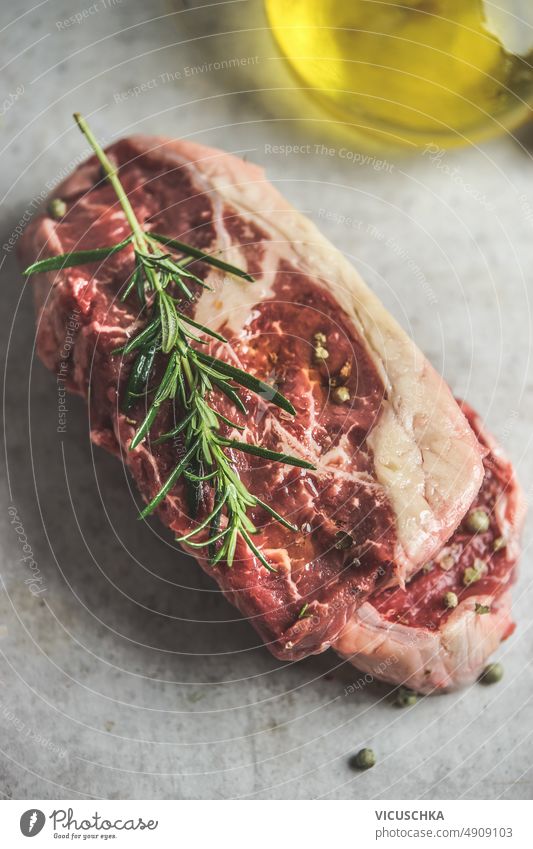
x: 425, y: 660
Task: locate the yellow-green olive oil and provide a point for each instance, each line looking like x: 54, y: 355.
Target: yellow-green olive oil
x: 411, y: 72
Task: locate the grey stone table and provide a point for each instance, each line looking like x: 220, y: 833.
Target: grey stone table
x: 123, y: 672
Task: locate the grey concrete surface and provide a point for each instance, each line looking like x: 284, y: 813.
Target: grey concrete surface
x: 129, y: 676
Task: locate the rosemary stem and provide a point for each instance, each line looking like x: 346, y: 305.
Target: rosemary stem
x: 189, y: 376
x: 188, y: 372
x: 112, y: 176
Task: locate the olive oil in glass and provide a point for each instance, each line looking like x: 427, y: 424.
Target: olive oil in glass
x: 412, y: 72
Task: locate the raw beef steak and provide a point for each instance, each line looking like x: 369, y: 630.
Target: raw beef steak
x: 409, y: 635
x: 397, y: 465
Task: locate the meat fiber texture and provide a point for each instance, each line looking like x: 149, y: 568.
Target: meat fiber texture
x: 408, y: 635
x: 396, y: 466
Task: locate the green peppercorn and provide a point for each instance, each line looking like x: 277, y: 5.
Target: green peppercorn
x: 478, y: 521
x: 364, y: 759
x: 474, y: 573
x: 320, y: 339
x: 57, y: 208
x: 320, y: 353
x: 470, y: 576
x: 450, y: 600
x: 340, y: 395
x: 492, y: 673
x: 404, y: 698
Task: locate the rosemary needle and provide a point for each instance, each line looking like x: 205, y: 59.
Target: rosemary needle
x: 189, y: 377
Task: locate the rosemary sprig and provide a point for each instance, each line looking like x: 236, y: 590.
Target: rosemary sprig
x: 162, y: 284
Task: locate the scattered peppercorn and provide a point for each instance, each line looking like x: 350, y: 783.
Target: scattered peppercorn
x: 478, y: 521
x: 450, y: 600
x: 340, y: 395
x: 473, y: 573
x: 57, y: 208
x: 320, y: 353
x: 492, y: 673
x: 364, y: 759
x: 404, y: 697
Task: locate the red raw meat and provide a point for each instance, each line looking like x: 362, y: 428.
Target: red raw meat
x: 397, y: 465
